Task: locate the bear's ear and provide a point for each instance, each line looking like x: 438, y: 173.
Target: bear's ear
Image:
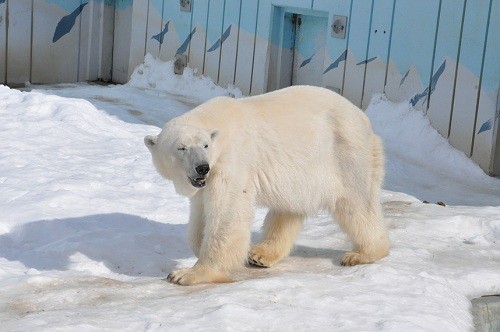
x: 214, y: 133
x: 150, y: 141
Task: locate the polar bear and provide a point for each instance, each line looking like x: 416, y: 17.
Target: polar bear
x: 298, y: 150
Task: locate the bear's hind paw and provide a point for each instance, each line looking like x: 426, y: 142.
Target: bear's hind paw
x: 260, y: 255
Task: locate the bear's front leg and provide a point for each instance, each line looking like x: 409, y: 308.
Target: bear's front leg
x: 226, y: 238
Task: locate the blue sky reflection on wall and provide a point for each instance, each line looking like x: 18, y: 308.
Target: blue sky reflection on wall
x: 66, y: 23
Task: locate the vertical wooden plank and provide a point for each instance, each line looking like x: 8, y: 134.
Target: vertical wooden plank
x: 446, y: 53
x: 3, y: 42
x: 137, y: 36
x: 56, y: 41
x: 107, y: 43
x: 90, y: 40
x: 121, y: 47
x: 336, y: 48
x: 357, y: 46
x: 378, y: 49
x: 468, y: 72
x: 244, y: 59
x: 19, y: 39
x: 411, y: 53
x: 154, y: 37
x: 262, y: 42
x: 214, y: 38
x: 229, y: 44
x: 171, y: 39
x: 85, y: 39
x: 488, y: 112
x: 198, y: 41
x: 179, y: 25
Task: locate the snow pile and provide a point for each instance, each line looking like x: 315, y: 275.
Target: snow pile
x: 420, y: 162
x: 88, y: 230
x: 156, y: 74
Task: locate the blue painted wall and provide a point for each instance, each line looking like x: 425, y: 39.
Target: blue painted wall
x: 441, y: 56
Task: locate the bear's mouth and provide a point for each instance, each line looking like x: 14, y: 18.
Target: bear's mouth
x: 198, y: 182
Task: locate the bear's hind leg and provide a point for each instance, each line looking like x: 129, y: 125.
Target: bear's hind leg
x: 280, y: 230
x: 365, y: 227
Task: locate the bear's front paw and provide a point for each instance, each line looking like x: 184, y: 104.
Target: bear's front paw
x: 354, y: 258
x: 197, y: 275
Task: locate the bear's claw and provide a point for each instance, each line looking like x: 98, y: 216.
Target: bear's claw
x: 354, y: 258
x: 256, y: 262
x: 197, y: 275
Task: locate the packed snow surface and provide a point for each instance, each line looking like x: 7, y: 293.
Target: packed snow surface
x: 89, y: 230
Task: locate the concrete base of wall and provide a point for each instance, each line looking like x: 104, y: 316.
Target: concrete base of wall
x: 486, y: 312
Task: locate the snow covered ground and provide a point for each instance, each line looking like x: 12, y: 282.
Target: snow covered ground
x: 89, y: 230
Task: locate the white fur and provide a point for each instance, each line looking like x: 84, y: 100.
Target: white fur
x: 297, y: 151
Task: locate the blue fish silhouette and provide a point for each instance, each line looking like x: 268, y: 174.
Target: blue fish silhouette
x: 66, y: 23
x: 434, y: 81
x: 184, y: 45
x: 219, y: 41
x: 336, y: 63
x: 159, y: 37
x: 486, y: 126
x: 404, y: 78
x: 306, y: 61
x: 364, y: 62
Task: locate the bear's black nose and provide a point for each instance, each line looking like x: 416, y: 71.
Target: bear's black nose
x: 202, y: 169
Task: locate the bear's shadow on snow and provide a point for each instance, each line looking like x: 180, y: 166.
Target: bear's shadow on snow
x: 302, y: 254
x: 124, y: 244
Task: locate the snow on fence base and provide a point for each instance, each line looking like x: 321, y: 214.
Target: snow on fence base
x: 486, y: 312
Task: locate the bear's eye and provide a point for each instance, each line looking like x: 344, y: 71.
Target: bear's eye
x: 206, y: 146
x: 182, y: 149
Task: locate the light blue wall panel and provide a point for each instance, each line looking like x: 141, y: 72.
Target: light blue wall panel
x: 444, y: 65
x: 90, y: 41
x: 412, y: 46
x: 336, y: 48
x: 357, y: 50
x: 155, y: 26
x: 488, y: 110
x: 179, y: 28
x: 246, y: 42
x: 54, y: 26
x: 229, y: 42
x: 262, y: 37
x: 19, y: 36
x: 378, y: 49
x: 299, y: 4
x: 214, y: 38
x: 198, y: 43
x: 3, y: 43
x: 467, y: 80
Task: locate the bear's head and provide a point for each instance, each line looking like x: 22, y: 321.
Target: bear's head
x: 183, y: 154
